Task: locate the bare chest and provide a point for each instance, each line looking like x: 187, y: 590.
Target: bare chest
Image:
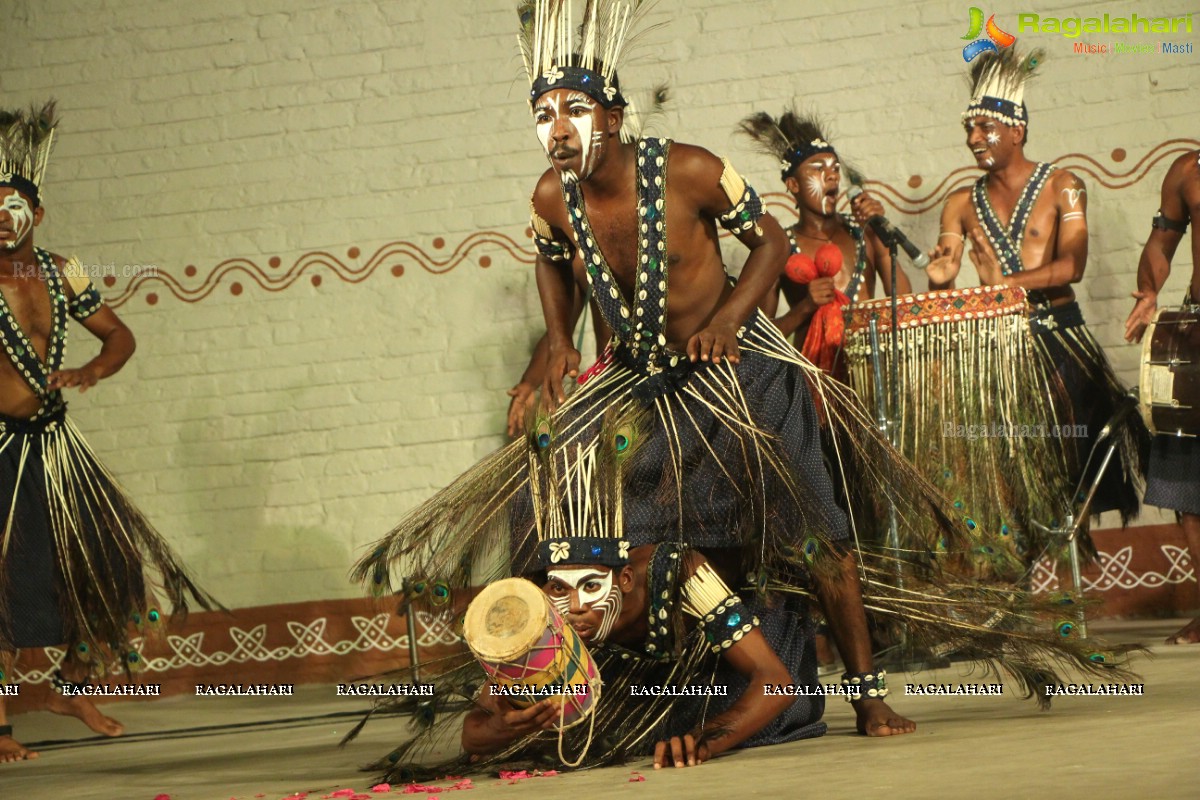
x: 28, y: 302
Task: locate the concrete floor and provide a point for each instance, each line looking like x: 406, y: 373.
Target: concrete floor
x: 218, y: 748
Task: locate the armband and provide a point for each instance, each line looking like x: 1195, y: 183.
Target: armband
x: 1165, y: 223
x: 87, y: 300
x: 545, y: 243
x: 747, y: 208
x: 724, y: 618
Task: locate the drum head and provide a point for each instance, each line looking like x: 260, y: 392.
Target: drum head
x: 506, y: 619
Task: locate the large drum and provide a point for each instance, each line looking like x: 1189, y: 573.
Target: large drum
x: 1170, y: 380
x: 977, y: 410
x: 523, y: 644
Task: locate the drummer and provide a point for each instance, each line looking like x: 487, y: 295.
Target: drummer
x: 812, y: 173
x: 622, y: 606
x: 1026, y: 223
x: 1173, y: 480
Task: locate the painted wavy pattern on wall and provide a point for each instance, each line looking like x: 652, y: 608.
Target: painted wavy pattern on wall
x: 234, y: 275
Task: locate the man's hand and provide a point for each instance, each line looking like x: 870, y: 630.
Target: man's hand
x: 864, y: 207
x: 84, y: 378
x: 876, y: 718
x: 714, y: 342
x: 942, y: 267
x: 523, y: 396
x: 680, y: 751
x: 511, y: 723
x: 1141, y: 316
x: 821, y: 291
x: 562, y: 363
x: 984, y: 259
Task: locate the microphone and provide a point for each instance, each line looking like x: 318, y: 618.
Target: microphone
x: 1129, y: 404
x: 889, y: 233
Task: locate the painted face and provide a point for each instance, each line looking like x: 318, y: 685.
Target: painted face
x: 989, y: 141
x: 16, y: 218
x: 570, y: 126
x: 819, y: 178
x: 588, y: 597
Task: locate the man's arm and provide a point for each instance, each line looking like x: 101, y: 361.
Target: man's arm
x: 555, y: 281
x: 753, y: 658
x: 841, y: 599
x: 946, y: 257
x: 117, y: 346
x: 816, y: 294
x: 494, y: 724
x: 702, y: 174
x: 1072, y: 245
x: 1154, y: 267
x: 524, y: 392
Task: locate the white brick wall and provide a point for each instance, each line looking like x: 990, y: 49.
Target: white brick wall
x: 272, y: 436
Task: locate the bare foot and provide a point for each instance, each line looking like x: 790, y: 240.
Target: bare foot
x: 83, y: 709
x: 876, y: 718
x: 1188, y: 634
x: 12, y: 750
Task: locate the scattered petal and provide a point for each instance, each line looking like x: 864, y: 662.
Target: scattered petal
x: 382, y: 788
x: 162, y: 797
x: 550, y: 773
x: 636, y: 777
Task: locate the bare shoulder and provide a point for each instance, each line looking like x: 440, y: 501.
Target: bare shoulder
x: 547, y: 199
x: 1065, y: 179
x: 690, y: 159
x: 958, y: 202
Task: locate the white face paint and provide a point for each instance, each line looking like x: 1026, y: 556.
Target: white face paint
x: 578, y: 109
x: 991, y: 139
x: 20, y: 218
x: 597, y: 591
x: 814, y: 171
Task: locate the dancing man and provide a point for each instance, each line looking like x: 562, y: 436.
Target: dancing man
x: 1173, y: 479
x: 72, y: 545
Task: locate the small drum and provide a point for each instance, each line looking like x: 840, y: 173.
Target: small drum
x: 1170, y: 380
x: 523, y: 643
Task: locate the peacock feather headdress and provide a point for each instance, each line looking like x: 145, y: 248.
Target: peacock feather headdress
x: 26, y: 139
x: 793, y: 139
x: 558, y: 55
x: 998, y: 85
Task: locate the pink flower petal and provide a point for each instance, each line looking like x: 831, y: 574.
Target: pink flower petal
x: 636, y: 778
x: 550, y: 773
x: 381, y: 788
x: 162, y: 797
x: 465, y: 783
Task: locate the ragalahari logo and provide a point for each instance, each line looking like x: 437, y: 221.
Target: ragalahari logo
x: 996, y: 38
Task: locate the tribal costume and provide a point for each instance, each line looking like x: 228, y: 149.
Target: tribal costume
x: 1084, y: 391
x: 655, y: 450
x: 73, y: 548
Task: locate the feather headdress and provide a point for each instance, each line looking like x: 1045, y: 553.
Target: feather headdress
x: 793, y: 139
x: 557, y: 55
x: 26, y: 138
x: 998, y: 85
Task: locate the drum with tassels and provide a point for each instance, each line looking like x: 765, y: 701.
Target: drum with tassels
x: 976, y: 410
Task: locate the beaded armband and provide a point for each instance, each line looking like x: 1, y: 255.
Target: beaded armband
x: 543, y: 239
x: 747, y: 208
x: 724, y: 618
x: 1165, y: 223
x: 87, y: 299
x: 865, y: 684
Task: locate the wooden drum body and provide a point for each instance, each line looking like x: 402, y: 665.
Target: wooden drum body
x: 523, y: 643
x: 1170, y: 379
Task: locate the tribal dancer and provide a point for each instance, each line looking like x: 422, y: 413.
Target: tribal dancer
x: 1027, y: 225
x: 73, y: 548
x: 729, y: 458
x: 812, y: 172
x: 1173, y: 479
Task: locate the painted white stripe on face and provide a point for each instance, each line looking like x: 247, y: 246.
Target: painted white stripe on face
x: 607, y: 598
x: 21, y: 216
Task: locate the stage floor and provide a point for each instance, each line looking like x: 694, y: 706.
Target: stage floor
x: 194, y: 748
